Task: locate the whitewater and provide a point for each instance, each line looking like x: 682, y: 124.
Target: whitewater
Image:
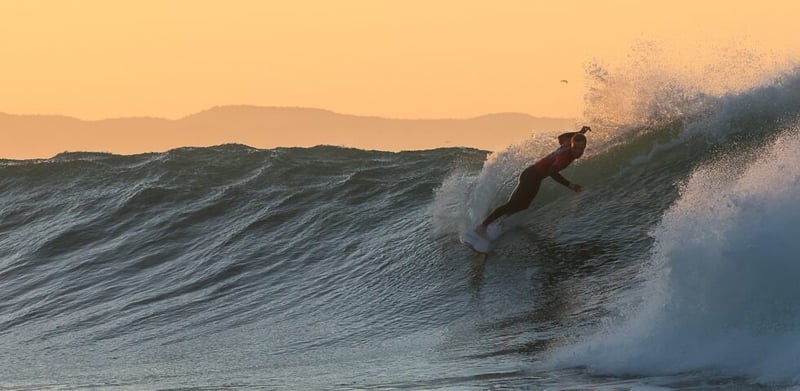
x: 231, y: 267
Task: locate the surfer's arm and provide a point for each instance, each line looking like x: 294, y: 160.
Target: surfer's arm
x: 560, y: 179
x: 572, y: 186
x: 568, y: 136
x: 564, y: 138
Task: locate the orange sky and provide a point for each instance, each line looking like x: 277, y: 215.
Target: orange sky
x: 96, y: 59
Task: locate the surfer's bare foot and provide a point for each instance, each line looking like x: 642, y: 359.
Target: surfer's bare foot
x: 481, y: 230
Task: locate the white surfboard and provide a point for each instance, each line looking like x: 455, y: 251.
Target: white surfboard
x: 475, y: 242
x: 480, y: 244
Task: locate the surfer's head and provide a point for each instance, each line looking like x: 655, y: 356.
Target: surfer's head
x: 578, y: 144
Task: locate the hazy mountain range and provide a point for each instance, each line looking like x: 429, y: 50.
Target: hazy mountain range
x: 43, y: 136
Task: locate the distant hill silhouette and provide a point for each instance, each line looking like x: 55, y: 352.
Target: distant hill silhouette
x: 43, y: 136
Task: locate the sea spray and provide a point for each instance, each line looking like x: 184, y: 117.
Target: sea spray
x: 721, y: 294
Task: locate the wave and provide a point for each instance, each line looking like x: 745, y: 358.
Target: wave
x: 677, y: 257
x: 718, y: 295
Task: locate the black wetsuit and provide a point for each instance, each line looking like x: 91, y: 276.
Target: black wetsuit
x: 531, y: 178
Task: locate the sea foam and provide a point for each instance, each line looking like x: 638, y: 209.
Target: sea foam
x: 721, y: 294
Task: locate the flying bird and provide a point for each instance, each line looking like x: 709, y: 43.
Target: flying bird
x: 564, y: 81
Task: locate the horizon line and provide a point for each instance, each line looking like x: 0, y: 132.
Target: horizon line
x: 251, y: 106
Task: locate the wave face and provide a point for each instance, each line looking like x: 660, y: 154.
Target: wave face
x: 326, y: 267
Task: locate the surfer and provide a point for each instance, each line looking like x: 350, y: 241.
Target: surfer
x: 571, y: 147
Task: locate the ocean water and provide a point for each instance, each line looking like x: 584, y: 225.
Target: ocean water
x: 331, y: 268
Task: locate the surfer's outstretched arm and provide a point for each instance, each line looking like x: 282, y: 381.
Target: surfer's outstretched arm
x: 572, y: 186
x: 560, y: 179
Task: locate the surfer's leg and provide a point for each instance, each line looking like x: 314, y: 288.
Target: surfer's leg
x: 520, y: 199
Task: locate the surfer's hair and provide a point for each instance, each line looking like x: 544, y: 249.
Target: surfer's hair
x: 578, y: 138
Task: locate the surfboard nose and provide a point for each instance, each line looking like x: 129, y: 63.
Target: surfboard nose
x: 474, y: 241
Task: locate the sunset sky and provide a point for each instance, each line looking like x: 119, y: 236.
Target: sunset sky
x: 397, y: 59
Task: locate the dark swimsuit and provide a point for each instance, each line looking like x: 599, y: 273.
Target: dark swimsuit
x: 531, y: 178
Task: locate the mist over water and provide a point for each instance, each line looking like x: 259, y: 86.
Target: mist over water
x: 336, y: 268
